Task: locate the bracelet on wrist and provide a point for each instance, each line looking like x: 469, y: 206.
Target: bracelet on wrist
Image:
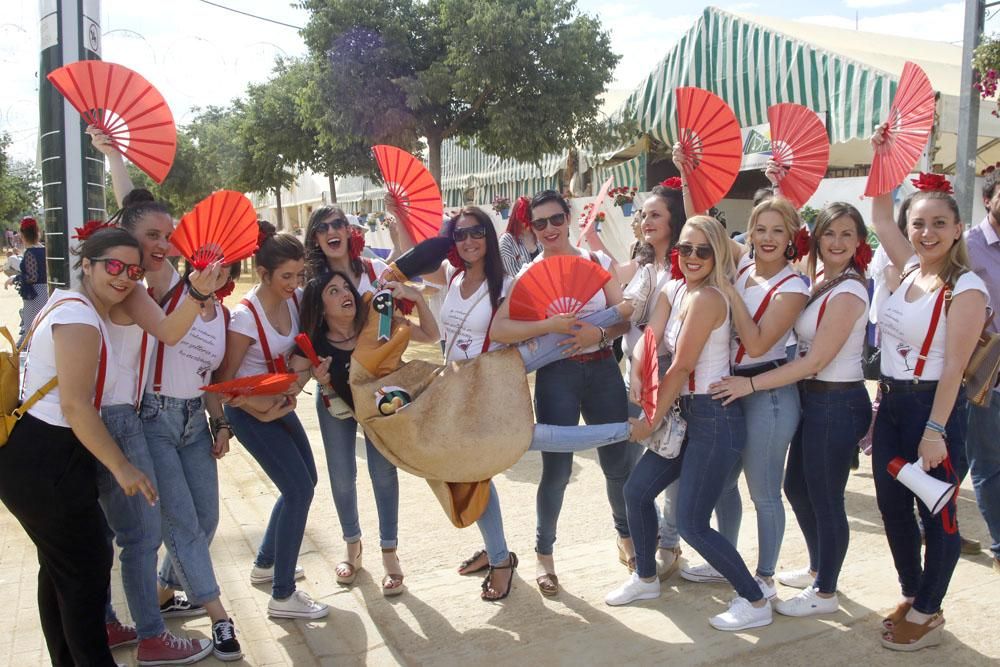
x: 196, y: 295
x: 934, y: 426
x: 604, y: 344
x: 752, y: 388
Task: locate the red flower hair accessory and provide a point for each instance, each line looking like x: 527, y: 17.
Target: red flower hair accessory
x: 455, y: 259
x: 675, y: 265
x: 674, y: 183
x: 521, y: 212
x: 932, y: 183
x: 225, y: 290
x: 990, y: 169
x: 405, y: 306
x: 28, y: 223
x: 863, y: 256
x: 801, y: 242
x: 356, y: 243
x: 85, y: 232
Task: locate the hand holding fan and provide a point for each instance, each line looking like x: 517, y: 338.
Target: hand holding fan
x: 801, y: 149
x: 709, y: 135
x: 221, y: 226
x: 417, y: 196
x: 909, y: 124
x: 306, y: 346
x: 556, y: 286
x: 588, y: 222
x: 265, y: 384
x: 125, y: 107
x: 650, y: 374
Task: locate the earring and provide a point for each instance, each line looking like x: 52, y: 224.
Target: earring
x: 790, y: 252
x: 751, y: 251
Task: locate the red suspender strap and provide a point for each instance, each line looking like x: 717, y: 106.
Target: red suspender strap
x: 822, y: 309
x: 272, y: 365
x: 744, y: 270
x: 944, y: 294
x: 158, y: 367
x: 486, y: 341
x: 369, y: 269
x: 741, y: 352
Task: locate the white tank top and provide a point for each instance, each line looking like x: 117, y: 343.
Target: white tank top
x: 713, y: 362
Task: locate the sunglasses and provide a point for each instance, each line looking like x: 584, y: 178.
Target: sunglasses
x: 477, y: 232
x: 557, y: 220
x: 336, y: 225
x: 115, y: 267
x: 701, y: 251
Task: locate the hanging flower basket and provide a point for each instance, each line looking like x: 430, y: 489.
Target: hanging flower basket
x: 501, y: 205
x: 986, y: 62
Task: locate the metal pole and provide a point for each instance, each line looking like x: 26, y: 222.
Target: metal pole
x: 72, y: 171
x: 968, y: 113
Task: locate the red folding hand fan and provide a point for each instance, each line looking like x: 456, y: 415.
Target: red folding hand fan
x: 222, y: 226
x: 124, y: 106
x: 710, y: 137
x: 801, y: 147
x: 650, y: 374
x: 556, y: 286
x: 910, y: 120
x: 265, y: 384
x: 592, y: 211
x: 412, y: 186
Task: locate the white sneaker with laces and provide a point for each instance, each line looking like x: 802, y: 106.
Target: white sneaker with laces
x: 297, y: 605
x: 808, y: 603
x: 702, y: 574
x: 634, y: 589
x: 265, y: 575
x: 770, y: 592
x: 801, y: 578
x: 742, y: 616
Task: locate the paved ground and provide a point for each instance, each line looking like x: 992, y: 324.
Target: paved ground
x: 441, y: 621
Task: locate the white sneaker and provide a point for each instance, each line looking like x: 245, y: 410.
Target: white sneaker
x: 297, y: 605
x: 742, y: 616
x: 801, y: 578
x: 265, y: 575
x: 770, y: 592
x: 807, y: 603
x: 633, y: 589
x: 703, y: 574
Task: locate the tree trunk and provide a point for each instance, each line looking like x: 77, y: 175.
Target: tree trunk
x: 434, y: 142
x: 277, y: 201
x: 332, y: 181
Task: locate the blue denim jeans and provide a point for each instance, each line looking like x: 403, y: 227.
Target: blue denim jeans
x: 282, y: 450
x: 771, y: 420
x: 136, y: 525
x: 715, y: 435
x: 340, y: 443
x: 983, y: 449
x: 563, y: 390
x: 181, y: 447
x: 819, y: 463
x: 899, y: 427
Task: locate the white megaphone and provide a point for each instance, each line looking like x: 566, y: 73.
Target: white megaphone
x: 934, y: 493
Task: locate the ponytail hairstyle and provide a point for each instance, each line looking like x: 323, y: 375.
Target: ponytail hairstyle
x: 275, y: 249
x: 135, y: 206
x: 957, y: 261
x: 97, y: 245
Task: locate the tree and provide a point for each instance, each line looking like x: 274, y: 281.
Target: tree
x: 20, y: 189
x: 520, y: 77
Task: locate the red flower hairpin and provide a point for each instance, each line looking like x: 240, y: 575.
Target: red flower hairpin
x: 356, y: 243
x: 801, y: 242
x: 521, y: 212
x: 674, y: 183
x: 863, y: 256
x: 225, y: 290
x: 675, y: 265
x: 28, y: 223
x: 85, y: 232
x: 455, y: 259
x: 932, y: 183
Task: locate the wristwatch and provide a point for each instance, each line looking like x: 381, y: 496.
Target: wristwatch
x: 605, y: 343
x: 216, y: 424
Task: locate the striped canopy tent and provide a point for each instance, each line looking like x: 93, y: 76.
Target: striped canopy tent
x: 356, y: 194
x: 630, y: 173
x: 753, y: 62
x: 463, y: 169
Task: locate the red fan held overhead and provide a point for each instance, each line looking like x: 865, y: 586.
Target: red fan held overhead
x: 222, y: 226
x: 650, y: 374
x: 801, y: 148
x: 592, y: 211
x: 417, y: 196
x: 556, y: 286
x: 910, y: 120
x: 124, y: 106
x: 265, y: 384
x: 710, y: 137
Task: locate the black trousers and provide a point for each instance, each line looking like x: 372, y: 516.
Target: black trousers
x: 48, y: 482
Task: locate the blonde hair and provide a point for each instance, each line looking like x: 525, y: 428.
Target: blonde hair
x: 958, y: 255
x: 722, y: 271
x: 781, y: 206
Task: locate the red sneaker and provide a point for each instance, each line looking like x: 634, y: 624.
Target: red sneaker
x: 167, y: 649
x: 121, y: 635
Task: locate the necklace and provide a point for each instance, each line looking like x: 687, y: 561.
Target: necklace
x: 342, y: 340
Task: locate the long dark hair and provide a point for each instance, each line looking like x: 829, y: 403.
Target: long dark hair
x: 311, y: 320
x: 315, y: 259
x: 494, y: 263
x: 674, y: 199
x: 97, y: 245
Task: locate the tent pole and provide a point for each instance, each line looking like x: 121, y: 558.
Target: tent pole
x: 968, y: 111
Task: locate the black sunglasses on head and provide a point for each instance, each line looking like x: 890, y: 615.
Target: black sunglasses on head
x: 557, y: 220
x: 460, y: 234
x: 701, y: 251
x: 336, y: 225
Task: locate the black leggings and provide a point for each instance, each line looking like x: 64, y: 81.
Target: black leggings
x: 48, y: 482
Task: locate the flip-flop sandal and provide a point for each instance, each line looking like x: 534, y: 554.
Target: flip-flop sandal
x: 548, y: 584
x: 907, y: 636
x: 896, y: 615
x: 472, y: 559
x: 487, y: 582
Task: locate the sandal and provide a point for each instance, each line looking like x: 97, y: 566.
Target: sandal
x: 463, y: 568
x: 664, y: 572
x: 488, y: 581
x: 352, y: 568
x: 898, y: 614
x: 548, y: 584
x: 908, y: 636
x: 622, y: 558
x: 392, y: 582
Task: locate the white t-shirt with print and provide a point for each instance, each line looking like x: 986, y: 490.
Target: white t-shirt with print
x: 904, y: 326
x: 753, y: 296
x: 464, y: 329
x: 846, y: 365
x: 40, y: 366
x: 243, y: 322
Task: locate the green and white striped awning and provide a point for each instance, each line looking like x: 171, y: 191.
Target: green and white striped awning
x: 752, y: 67
x: 630, y: 172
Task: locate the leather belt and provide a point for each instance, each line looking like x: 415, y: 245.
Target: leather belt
x: 824, y: 387
x: 757, y: 369
x: 591, y: 356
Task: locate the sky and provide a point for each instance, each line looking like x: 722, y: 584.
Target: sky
x: 198, y: 54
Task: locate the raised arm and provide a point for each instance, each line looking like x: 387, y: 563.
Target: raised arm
x: 426, y: 330
x: 759, y: 337
x: 896, y: 245
x: 141, y: 308
x: 683, y: 164
x: 121, y: 182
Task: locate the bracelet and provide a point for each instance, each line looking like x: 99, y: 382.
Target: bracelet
x: 933, y: 439
x: 934, y: 426
x: 196, y: 295
x: 604, y: 344
x: 216, y: 424
x: 752, y: 388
